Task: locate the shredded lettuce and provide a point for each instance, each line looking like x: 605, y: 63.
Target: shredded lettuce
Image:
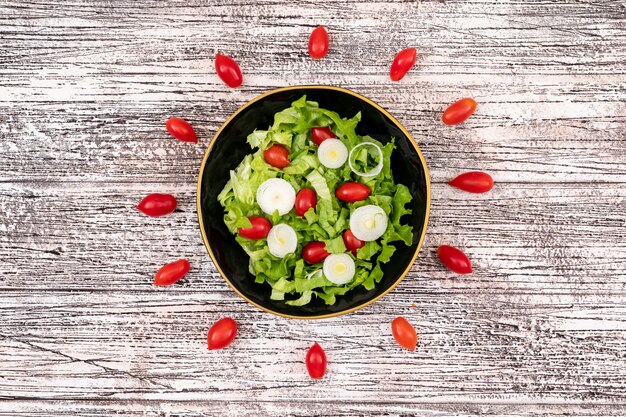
x: 293, y: 281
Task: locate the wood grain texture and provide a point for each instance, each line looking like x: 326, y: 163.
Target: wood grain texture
x: 538, y: 329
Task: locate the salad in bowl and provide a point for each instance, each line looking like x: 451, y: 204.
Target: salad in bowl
x: 315, y: 206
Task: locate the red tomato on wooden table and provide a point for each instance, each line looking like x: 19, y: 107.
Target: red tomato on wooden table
x: 314, y: 252
x: 320, y: 134
x: 454, y: 259
x: 155, y: 205
x: 404, y: 333
x: 352, y: 242
x: 259, y: 230
x: 171, y: 273
x: 352, y: 191
x: 459, y: 112
x: 402, y: 63
x: 181, y: 130
x: 318, y: 43
x: 316, y: 361
x: 473, y: 182
x: 305, y: 199
x: 222, y: 333
x: 228, y: 70
x: 277, y: 156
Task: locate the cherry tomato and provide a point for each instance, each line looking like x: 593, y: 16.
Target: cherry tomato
x: 222, y: 333
x: 404, y: 333
x: 352, y: 242
x: 156, y: 205
x: 277, y: 156
x: 316, y: 361
x: 181, y: 130
x: 314, y: 252
x: 305, y: 199
x: 402, y: 63
x: 171, y: 273
x: 459, y: 112
x: 228, y: 70
x: 318, y: 43
x: 473, y: 182
x: 320, y: 134
x: 352, y: 191
x: 455, y: 260
x: 259, y: 230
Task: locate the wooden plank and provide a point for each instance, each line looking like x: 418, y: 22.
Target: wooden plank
x: 537, y: 238
x: 152, y: 346
x: 91, y: 103
x: 293, y: 409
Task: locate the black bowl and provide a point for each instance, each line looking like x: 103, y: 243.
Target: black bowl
x: 228, y: 148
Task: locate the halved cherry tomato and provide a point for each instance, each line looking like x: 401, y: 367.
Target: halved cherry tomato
x: 156, y: 204
x: 305, y: 199
x: 353, y: 191
x: 314, y: 252
x: 316, y: 361
x: 171, y: 273
x: 259, y: 230
x: 222, y: 333
x: 459, y: 112
x: 228, y: 70
x: 473, y: 182
x: 181, y: 130
x: 455, y: 260
x: 320, y: 134
x: 277, y: 156
x: 404, y: 333
x: 402, y: 63
x: 352, y: 242
x: 318, y: 43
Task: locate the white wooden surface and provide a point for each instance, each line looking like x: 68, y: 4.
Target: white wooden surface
x: 538, y: 329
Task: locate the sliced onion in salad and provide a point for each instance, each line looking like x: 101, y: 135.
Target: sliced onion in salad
x: 276, y: 194
x: 332, y: 153
x: 368, y: 223
x: 282, y: 240
x: 339, y: 268
x: 374, y: 171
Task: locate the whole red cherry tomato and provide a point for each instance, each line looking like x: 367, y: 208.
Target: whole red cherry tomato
x: 473, y: 182
x: 352, y: 191
x: 222, y: 333
x: 320, y: 134
x: 228, y: 70
x: 314, y: 252
x: 277, y: 156
x: 316, y: 361
x: 181, y: 130
x: 455, y: 260
x: 352, y: 242
x: 156, y: 205
x: 459, y: 112
x: 402, y: 63
x: 305, y: 199
x: 171, y: 273
x: 259, y: 230
x: 404, y: 333
x: 318, y: 43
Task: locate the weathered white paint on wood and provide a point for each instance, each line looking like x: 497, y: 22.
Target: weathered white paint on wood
x: 540, y: 328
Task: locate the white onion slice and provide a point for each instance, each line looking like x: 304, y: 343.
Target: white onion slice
x: 368, y: 223
x: 332, y: 153
x: 276, y: 194
x: 374, y: 171
x: 339, y: 268
x: 282, y: 240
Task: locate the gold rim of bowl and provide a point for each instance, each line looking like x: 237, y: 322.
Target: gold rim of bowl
x: 360, y: 97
